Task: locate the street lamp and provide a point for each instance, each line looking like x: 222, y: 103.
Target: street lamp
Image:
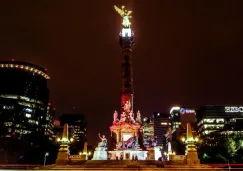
x: 46, y: 154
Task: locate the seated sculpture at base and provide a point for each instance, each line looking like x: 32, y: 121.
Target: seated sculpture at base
x: 103, y: 142
x: 100, y: 152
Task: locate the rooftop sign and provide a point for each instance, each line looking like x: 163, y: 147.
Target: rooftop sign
x: 186, y: 111
x: 233, y: 109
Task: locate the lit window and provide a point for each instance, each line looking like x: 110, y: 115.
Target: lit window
x: 27, y: 115
x: 8, y: 123
x: 208, y: 120
x: 164, y: 123
x: 24, y: 98
x: 9, y: 96
x: 31, y: 121
x: 26, y: 104
x: 8, y: 107
x: 220, y: 120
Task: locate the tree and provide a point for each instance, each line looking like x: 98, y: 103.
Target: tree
x: 220, y: 158
x: 230, y: 146
x: 178, y: 146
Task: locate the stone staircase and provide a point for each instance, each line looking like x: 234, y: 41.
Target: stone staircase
x: 108, y: 165
x: 116, y: 164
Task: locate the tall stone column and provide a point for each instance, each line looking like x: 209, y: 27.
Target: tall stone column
x: 126, y: 40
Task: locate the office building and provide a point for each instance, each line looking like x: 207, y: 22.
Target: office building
x: 149, y: 140
x: 220, y: 120
x: 24, y: 97
x: 162, y: 125
x: 49, y: 126
x: 77, y: 122
x: 175, y: 118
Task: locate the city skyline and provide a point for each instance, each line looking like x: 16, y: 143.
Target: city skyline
x: 190, y: 55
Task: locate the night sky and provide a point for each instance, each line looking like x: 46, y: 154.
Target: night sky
x: 186, y: 53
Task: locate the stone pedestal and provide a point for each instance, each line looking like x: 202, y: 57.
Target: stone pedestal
x: 63, y: 154
x: 192, y: 158
x: 151, y: 153
x: 177, y: 159
x: 100, y: 153
x: 78, y: 157
x: 127, y: 154
x: 62, y: 157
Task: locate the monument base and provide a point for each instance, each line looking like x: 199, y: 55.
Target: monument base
x: 127, y: 154
x: 151, y: 153
x: 100, y: 153
x: 78, y: 157
x: 177, y: 159
x: 62, y: 158
x: 192, y: 158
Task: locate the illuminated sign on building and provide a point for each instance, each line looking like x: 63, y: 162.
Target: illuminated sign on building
x: 231, y: 109
x: 186, y: 111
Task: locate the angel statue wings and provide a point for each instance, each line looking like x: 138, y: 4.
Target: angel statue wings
x: 125, y: 14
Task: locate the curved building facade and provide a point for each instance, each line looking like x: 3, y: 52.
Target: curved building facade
x: 24, y: 97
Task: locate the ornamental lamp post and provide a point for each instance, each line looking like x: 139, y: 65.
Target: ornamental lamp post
x: 190, y: 143
x: 46, y: 154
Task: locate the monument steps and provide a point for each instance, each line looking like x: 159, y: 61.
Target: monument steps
x: 114, y: 164
x: 124, y: 165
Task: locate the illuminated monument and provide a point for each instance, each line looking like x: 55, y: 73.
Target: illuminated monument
x: 126, y: 38
x: 126, y: 129
x: 63, y: 154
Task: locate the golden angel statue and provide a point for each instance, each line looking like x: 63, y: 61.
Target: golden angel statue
x: 125, y: 14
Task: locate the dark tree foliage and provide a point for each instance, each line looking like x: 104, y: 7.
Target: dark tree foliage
x: 27, y: 150
x: 76, y: 147
x: 178, y: 146
x: 225, y: 149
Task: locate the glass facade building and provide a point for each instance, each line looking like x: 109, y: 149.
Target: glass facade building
x: 216, y: 121
x: 24, y: 111
x: 162, y: 126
